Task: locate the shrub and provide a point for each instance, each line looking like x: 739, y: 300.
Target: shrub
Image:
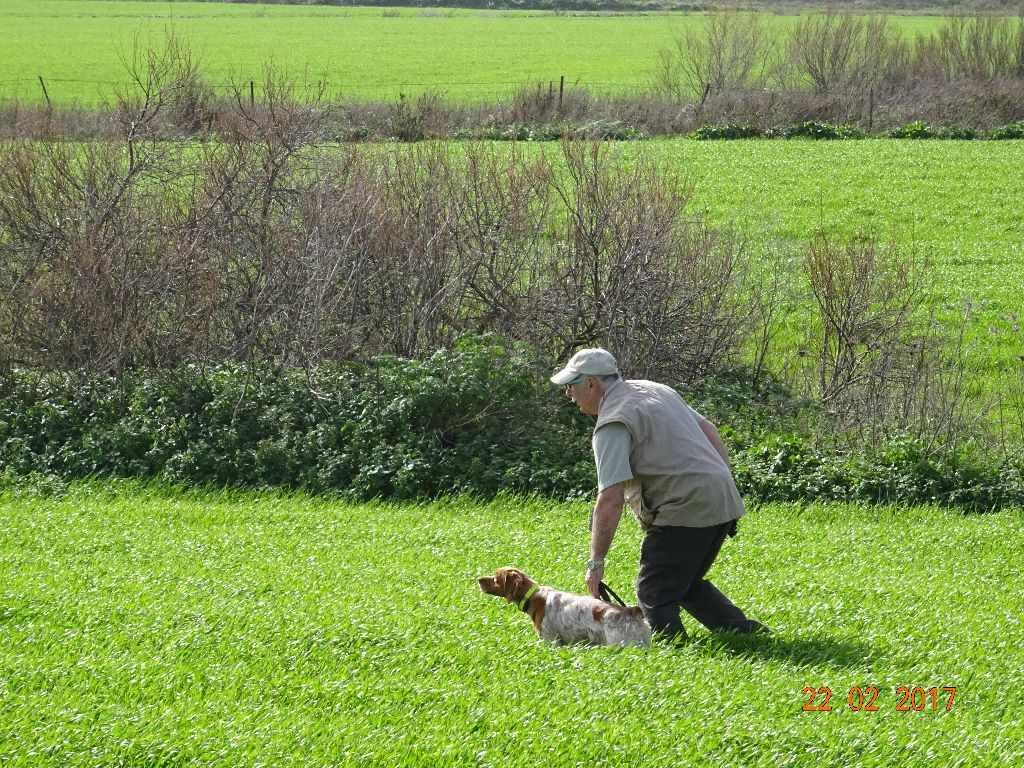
x: 956, y: 133
x: 726, y: 52
x: 812, y: 130
x: 899, y: 471
x: 1011, y: 131
x: 727, y: 131
x: 475, y: 420
x: 915, y: 130
x: 603, y: 130
x: 787, y: 468
x: 815, y: 130
x: 274, y: 250
x: 519, y: 132
x: 835, y: 50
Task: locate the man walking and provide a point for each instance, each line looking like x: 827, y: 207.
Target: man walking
x: 656, y: 454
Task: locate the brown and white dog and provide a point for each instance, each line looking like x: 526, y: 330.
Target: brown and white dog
x: 566, y: 618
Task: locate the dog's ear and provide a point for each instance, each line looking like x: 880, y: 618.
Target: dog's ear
x: 513, y: 583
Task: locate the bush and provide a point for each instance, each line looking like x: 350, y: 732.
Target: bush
x: 520, y: 132
x: 900, y: 471
x: 608, y: 130
x: 479, y: 419
x: 915, y: 130
x: 788, y: 468
x: 957, y: 133
x: 473, y: 420
x: 814, y: 130
x: 811, y: 130
x: 727, y: 131
x: 1011, y: 131
x: 308, y: 260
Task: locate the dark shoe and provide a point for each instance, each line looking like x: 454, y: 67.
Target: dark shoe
x: 760, y: 629
x: 750, y: 627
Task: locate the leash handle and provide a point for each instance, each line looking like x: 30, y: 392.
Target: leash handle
x: 607, y: 593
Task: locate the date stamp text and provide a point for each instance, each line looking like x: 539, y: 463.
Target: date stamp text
x: 869, y: 699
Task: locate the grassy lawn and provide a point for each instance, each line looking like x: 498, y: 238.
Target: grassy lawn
x: 151, y: 627
x: 956, y: 202
x: 363, y: 52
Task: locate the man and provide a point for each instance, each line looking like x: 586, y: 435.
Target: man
x: 669, y: 464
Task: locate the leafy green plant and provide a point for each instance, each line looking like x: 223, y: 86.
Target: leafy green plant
x: 525, y: 132
x: 957, y: 133
x: 474, y: 419
x: 477, y: 419
x: 917, y: 129
x: 727, y: 131
x: 1009, y: 131
x: 614, y: 130
x: 815, y: 130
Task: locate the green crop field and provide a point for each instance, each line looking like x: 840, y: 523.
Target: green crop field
x: 147, y: 627
x: 956, y: 202
x: 360, y: 52
x: 959, y: 202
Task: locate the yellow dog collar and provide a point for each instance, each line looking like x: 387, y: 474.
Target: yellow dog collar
x: 526, y: 598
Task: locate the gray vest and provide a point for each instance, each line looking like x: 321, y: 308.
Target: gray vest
x: 678, y: 476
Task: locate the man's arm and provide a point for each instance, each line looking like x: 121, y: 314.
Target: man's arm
x: 607, y: 512
x: 711, y: 431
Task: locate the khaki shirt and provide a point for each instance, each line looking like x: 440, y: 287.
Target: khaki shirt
x: 678, y: 476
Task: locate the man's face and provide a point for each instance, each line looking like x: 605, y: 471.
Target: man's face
x: 586, y: 394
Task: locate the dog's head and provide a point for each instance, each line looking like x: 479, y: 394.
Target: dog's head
x: 510, y: 583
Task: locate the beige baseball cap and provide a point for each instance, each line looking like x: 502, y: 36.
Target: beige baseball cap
x: 586, y: 362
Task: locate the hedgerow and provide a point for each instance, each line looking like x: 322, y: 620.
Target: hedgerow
x: 471, y: 420
x: 480, y: 419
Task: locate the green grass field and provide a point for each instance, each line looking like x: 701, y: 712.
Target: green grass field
x: 360, y: 52
x: 958, y: 202
x: 161, y: 628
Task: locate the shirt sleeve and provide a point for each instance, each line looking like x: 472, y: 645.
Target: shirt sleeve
x: 612, y: 446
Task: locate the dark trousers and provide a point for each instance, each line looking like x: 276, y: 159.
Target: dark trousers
x: 673, y: 563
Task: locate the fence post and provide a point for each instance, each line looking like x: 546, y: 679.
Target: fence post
x: 561, y: 90
x: 252, y: 93
x: 45, y: 94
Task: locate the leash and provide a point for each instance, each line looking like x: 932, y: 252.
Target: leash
x: 607, y: 593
